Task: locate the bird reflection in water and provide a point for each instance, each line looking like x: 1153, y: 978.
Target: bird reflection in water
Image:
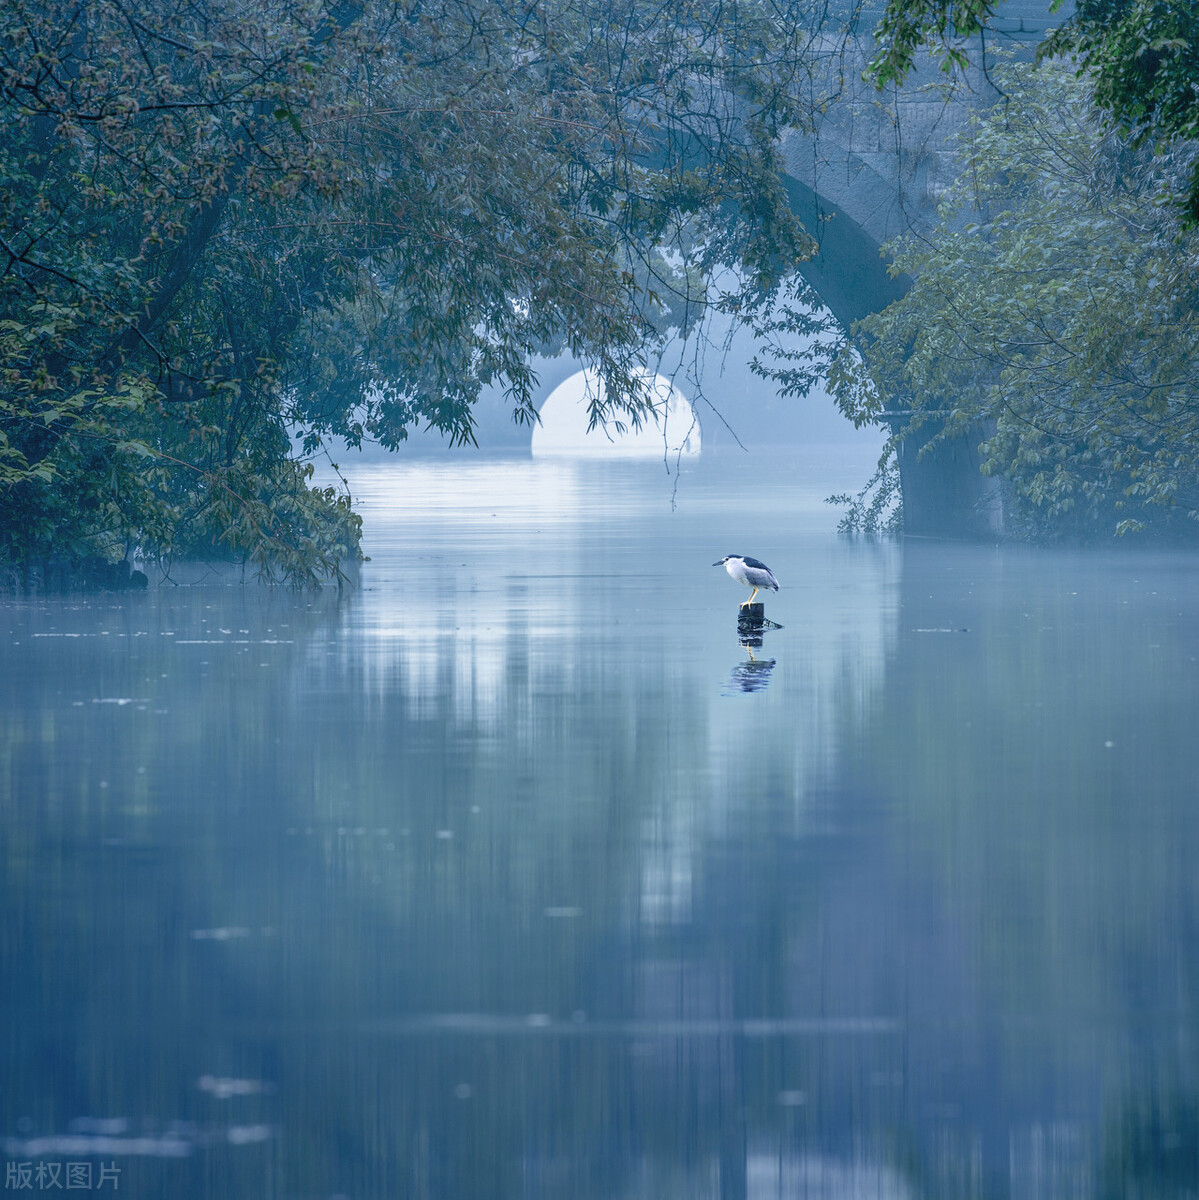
x: 754, y: 674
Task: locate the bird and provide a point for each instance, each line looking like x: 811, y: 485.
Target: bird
x: 749, y: 572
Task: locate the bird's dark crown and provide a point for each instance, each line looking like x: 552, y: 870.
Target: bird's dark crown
x: 743, y: 558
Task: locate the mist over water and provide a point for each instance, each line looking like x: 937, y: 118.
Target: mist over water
x: 513, y: 873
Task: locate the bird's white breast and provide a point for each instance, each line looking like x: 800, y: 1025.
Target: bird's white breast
x: 738, y: 570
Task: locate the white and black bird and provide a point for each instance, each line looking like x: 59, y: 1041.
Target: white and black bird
x: 749, y: 572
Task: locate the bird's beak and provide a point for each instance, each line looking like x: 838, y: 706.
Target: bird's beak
x: 719, y: 564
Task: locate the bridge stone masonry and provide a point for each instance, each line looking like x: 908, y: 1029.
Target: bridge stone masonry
x: 878, y: 165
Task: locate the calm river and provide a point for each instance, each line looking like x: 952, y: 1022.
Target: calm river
x: 512, y: 874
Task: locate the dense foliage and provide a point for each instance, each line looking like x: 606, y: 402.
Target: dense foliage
x: 227, y: 224
x: 1056, y: 310
x: 1144, y: 58
x: 1141, y: 55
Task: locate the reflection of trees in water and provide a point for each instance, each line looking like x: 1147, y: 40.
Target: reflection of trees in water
x: 1151, y: 1147
x: 494, y: 821
x: 645, y: 874
x: 127, y: 766
x: 1034, y: 778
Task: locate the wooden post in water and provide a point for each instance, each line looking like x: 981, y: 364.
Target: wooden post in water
x: 751, y: 617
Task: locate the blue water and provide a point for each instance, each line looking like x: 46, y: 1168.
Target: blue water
x: 512, y: 872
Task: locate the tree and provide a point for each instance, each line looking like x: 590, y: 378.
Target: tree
x: 224, y: 222
x: 1142, y: 56
x: 1055, y: 308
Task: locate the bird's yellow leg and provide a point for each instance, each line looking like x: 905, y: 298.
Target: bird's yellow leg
x: 747, y: 603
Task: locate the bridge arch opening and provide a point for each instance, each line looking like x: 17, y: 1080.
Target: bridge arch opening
x: 670, y: 427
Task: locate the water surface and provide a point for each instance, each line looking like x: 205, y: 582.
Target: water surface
x: 513, y: 873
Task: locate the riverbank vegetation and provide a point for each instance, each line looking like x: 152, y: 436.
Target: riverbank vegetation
x: 1052, y: 325
x: 1054, y: 315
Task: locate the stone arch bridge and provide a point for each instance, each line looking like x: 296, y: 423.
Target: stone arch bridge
x: 878, y: 165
